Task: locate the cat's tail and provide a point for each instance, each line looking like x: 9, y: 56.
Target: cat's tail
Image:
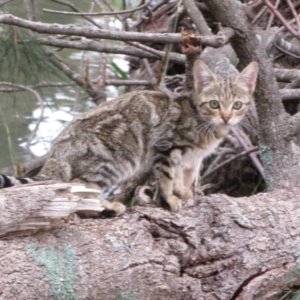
x: 8, y: 181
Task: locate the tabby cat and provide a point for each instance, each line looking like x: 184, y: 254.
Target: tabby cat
x: 148, y: 130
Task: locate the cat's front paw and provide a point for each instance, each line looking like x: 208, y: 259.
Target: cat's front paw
x: 174, y: 203
x: 186, y: 193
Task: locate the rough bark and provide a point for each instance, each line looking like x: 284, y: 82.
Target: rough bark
x: 215, y: 248
x: 26, y: 209
x: 275, y: 143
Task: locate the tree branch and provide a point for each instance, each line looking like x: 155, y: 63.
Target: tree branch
x: 286, y: 75
x: 107, y: 13
x: 228, y: 161
x: 74, y: 8
x: 279, y: 16
x: 197, y: 17
x: 95, y: 94
x: 88, y: 32
x: 290, y: 94
x: 90, y: 45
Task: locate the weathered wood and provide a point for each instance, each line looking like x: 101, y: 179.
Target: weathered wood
x: 216, y: 247
x: 25, y: 209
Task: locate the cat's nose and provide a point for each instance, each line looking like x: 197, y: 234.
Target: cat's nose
x: 226, y: 119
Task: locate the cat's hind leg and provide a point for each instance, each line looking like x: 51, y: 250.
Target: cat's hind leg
x: 164, y: 172
x: 179, y: 188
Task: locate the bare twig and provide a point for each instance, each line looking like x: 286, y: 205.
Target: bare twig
x: 253, y: 156
x: 164, y: 38
x: 272, y: 16
x: 146, y: 48
x: 90, y: 32
x: 86, y: 44
x: 228, y: 161
x: 273, y: 36
x: 30, y: 9
x: 74, y: 8
x: 115, y: 82
x: 100, y: 5
x: 259, y: 15
x: 281, y: 18
x: 220, y: 39
x: 149, y: 70
x: 5, y: 2
x: 197, y: 17
x: 222, y: 152
x: 291, y: 6
x: 96, y: 13
x: 74, y: 76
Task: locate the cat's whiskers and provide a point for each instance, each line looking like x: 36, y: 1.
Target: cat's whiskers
x: 245, y: 126
x: 203, y: 128
x: 211, y: 131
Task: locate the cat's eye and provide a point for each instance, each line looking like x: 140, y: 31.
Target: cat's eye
x: 214, y: 104
x: 237, y: 104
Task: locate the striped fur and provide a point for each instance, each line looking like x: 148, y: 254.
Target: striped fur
x: 8, y: 181
x: 148, y: 130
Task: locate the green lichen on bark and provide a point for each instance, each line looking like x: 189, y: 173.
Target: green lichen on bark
x: 61, y: 270
x: 266, y: 154
x: 296, y: 272
x: 127, y: 295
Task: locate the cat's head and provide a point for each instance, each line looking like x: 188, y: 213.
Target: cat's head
x: 223, y: 101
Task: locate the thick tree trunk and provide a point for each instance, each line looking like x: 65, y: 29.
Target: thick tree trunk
x: 215, y: 248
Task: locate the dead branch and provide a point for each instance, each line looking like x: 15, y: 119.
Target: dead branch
x: 74, y: 8
x: 228, y: 161
x: 274, y: 11
x: 84, y: 31
x: 294, y: 13
x: 98, y: 96
x: 175, y: 57
x: 26, y: 209
x: 286, y: 75
x: 107, y: 13
x: 290, y: 94
x: 197, y: 17
x: 253, y: 155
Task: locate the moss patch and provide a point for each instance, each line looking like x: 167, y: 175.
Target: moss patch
x: 61, y: 270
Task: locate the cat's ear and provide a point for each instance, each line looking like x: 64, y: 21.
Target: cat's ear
x: 247, y: 78
x: 203, y: 76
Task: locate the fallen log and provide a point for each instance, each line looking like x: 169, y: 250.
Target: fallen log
x: 216, y: 247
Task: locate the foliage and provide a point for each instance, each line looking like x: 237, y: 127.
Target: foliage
x: 23, y: 59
